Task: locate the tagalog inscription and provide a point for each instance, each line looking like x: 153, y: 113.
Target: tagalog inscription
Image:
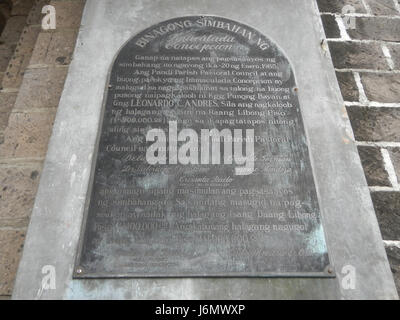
x: 202, y: 166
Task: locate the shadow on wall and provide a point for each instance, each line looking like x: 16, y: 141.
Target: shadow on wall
x: 5, y: 12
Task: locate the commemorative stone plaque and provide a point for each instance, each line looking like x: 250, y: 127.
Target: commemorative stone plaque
x: 202, y: 165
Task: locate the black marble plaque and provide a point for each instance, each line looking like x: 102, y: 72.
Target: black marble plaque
x: 202, y: 165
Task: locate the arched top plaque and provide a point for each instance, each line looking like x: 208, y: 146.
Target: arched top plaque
x: 202, y: 166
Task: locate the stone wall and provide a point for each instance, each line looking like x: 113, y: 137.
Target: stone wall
x: 32, y: 83
x: 5, y: 13
x: 365, y: 49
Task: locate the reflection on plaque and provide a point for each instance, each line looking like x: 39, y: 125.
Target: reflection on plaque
x: 202, y: 166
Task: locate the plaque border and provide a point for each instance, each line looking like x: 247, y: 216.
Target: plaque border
x: 78, y: 272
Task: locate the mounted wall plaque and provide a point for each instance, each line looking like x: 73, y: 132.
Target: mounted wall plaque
x: 202, y: 166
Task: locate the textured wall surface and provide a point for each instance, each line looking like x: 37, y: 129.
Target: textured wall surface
x: 365, y: 48
x: 34, y: 63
